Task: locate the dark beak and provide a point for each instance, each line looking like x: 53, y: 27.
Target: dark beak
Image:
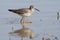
x: 37, y: 9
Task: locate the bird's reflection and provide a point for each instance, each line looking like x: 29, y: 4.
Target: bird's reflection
x: 23, y: 32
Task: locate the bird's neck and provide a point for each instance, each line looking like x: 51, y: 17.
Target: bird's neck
x: 32, y: 9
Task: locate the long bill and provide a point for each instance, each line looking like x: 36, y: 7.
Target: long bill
x: 37, y: 9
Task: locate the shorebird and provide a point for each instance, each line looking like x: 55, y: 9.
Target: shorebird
x: 23, y: 32
x: 24, y: 12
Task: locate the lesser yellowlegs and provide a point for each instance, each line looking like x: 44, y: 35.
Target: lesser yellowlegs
x: 24, y: 12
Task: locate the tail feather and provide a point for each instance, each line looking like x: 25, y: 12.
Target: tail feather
x: 12, y: 10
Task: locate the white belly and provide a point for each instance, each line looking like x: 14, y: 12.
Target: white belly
x: 26, y: 14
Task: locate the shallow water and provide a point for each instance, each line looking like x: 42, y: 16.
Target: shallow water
x: 44, y: 22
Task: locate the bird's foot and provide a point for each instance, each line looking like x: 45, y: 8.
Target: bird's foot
x: 29, y: 22
x: 22, y: 21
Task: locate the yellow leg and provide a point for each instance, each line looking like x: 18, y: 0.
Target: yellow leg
x: 22, y: 21
x: 29, y: 22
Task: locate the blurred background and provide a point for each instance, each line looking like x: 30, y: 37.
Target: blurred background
x: 44, y: 22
